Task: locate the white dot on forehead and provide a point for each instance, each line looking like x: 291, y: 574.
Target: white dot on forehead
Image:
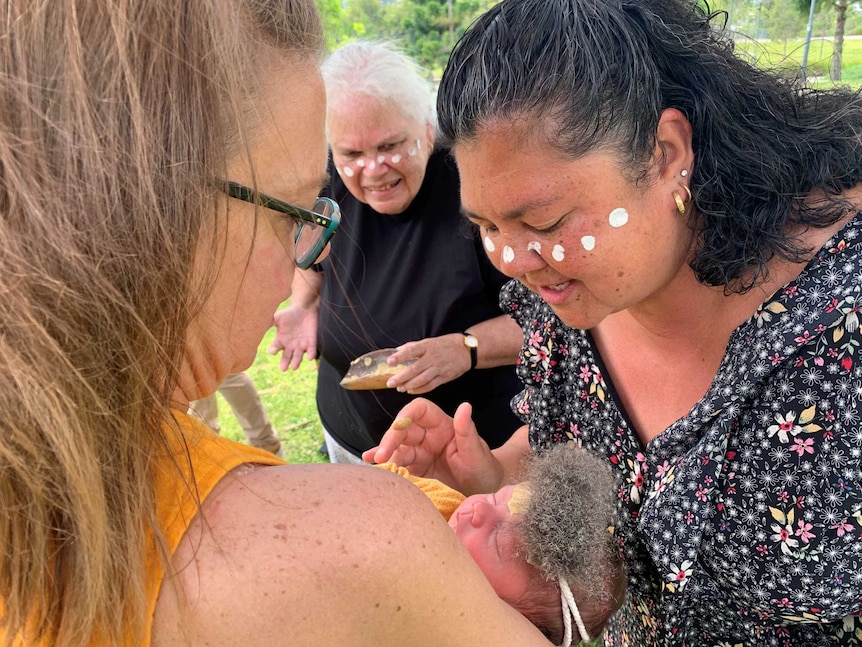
x: 347, y: 171
x: 618, y: 217
x: 508, y: 254
x: 588, y: 242
x: 534, y: 246
x: 558, y: 253
x: 489, y: 244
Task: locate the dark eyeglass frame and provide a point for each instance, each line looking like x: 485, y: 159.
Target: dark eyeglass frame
x: 315, y: 216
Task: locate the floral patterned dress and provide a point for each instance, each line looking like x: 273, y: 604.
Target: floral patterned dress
x: 741, y: 522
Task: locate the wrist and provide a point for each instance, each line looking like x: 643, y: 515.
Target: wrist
x: 471, y: 343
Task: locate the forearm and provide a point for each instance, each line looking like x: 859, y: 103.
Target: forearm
x: 513, y: 456
x: 500, y: 341
x: 305, y: 289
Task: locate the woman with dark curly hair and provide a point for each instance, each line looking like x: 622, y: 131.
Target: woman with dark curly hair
x: 684, y: 231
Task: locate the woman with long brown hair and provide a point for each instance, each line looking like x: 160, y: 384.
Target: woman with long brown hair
x: 141, y: 261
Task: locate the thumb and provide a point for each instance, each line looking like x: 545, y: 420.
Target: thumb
x: 466, y: 434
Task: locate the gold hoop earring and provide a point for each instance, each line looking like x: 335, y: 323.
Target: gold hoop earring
x: 687, y: 190
x: 680, y: 205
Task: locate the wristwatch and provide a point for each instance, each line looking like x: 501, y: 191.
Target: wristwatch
x: 472, y: 344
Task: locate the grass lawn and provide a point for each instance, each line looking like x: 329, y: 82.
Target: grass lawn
x: 289, y: 400
x: 788, y: 56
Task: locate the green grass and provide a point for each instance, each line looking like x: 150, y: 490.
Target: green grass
x: 289, y: 400
x: 788, y: 57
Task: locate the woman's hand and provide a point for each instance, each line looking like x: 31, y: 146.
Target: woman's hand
x: 434, y: 361
x: 295, y: 334
x: 431, y: 444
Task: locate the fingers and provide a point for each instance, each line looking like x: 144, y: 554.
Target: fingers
x: 390, y: 442
x: 463, y: 420
x: 295, y: 360
x: 411, y: 429
x: 409, y: 381
x: 433, y: 364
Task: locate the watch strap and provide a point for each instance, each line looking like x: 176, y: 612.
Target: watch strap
x: 474, y: 351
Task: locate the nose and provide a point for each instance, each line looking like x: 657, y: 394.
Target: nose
x: 483, y: 514
x: 374, y: 164
x: 517, y: 257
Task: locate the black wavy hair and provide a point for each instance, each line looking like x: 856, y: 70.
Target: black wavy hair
x: 596, y: 74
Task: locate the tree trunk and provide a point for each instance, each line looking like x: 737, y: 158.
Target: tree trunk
x: 838, y: 44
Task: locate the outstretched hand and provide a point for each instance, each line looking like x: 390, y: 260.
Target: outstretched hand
x: 432, y: 444
x: 295, y: 335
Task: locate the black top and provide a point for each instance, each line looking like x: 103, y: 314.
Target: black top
x: 393, y: 279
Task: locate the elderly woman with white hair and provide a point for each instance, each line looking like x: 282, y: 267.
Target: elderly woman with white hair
x: 406, y: 272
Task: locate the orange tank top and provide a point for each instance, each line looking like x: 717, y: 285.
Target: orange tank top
x: 194, y: 448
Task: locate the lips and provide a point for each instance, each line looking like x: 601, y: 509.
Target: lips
x: 556, y: 293
x: 559, y: 287
x: 382, y: 187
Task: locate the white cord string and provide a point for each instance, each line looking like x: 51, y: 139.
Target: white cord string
x: 570, y: 610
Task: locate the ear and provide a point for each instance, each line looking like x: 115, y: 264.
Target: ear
x: 673, y: 144
x: 429, y: 133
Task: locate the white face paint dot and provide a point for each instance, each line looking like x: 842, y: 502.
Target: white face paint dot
x: 347, y: 171
x: 411, y: 152
x: 381, y: 159
x: 396, y: 158
x: 534, y: 246
x: 589, y: 242
x: 618, y: 217
x: 372, y: 166
x: 508, y: 254
x: 360, y: 163
x: 489, y: 244
x: 559, y: 253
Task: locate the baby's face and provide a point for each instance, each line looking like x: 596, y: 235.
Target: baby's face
x: 484, y: 524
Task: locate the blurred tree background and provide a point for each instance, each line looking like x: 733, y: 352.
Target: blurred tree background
x: 428, y: 29
x: 424, y: 29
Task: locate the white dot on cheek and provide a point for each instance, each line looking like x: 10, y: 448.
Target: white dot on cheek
x: 360, y: 163
x: 381, y: 159
x: 508, y: 254
x: 396, y: 158
x: 347, y: 171
x: 489, y: 244
x: 558, y: 253
x: 618, y: 217
x: 534, y: 246
x: 588, y: 242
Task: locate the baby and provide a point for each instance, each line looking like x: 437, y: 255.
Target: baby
x: 546, y: 545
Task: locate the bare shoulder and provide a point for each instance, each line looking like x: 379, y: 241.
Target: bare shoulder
x: 322, y: 554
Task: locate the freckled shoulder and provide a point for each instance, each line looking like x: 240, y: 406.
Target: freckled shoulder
x: 322, y: 554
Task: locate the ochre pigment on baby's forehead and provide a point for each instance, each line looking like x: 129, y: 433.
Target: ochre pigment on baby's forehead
x: 520, y: 498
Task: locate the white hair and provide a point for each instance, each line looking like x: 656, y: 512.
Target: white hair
x: 379, y: 71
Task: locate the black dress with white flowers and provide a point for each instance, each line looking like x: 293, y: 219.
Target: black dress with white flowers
x: 741, y: 522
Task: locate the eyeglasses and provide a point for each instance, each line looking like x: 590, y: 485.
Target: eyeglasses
x: 316, y: 227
